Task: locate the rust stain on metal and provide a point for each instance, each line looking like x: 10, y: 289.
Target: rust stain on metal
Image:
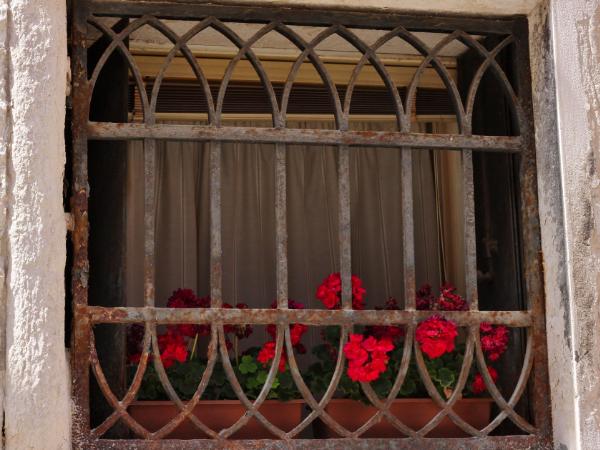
x: 84, y: 357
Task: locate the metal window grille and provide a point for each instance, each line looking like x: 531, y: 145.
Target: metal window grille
x: 86, y: 14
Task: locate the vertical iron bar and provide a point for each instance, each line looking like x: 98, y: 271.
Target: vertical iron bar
x: 531, y: 256
x: 408, y: 239
x: 470, y: 245
x: 149, y: 220
x: 344, y: 225
x: 281, y: 226
x: 79, y: 236
x: 216, y: 251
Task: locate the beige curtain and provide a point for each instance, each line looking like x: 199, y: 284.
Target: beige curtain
x: 248, y: 221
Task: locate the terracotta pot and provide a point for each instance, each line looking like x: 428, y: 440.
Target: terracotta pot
x: 413, y: 412
x: 217, y: 415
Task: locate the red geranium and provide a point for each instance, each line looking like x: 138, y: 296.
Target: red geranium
x: 367, y: 358
x: 297, y: 330
x: 267, y: 354
x: 494, y: 340
x: 330, y: 292
x: 478, y: 385
x: 436, y: 336
x: 172, y: 348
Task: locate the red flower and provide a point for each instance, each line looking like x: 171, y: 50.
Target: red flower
x: 478, y: 385
x: 494, y: 340
x: 172, y: 348
x: 297, y: 330
x: 330, y: 292
x: 367, y: 358
x: 267, y: 354
x: 436, y: 336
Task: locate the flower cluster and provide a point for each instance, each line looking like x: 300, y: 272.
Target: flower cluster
x: 367, y: 358
x: 436, y: 336
x: 330, y: 292
x: 478, y: 385
x: 297, y: 330
x: 494, y: 340
x: 185, y: 298
x: 448, y: 300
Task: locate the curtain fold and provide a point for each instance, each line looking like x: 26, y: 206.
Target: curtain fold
x: 248, y: 218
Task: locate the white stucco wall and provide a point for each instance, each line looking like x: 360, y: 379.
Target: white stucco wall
x: 576, y: 41
x: 33, y: 67
x: 37, y: 397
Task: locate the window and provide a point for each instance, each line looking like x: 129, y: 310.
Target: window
x: 259, y: 155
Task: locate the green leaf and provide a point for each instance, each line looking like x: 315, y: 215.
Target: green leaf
x: 446, y: 377
x: 247, y: 365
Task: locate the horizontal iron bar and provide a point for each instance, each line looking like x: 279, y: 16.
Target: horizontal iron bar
x: 244, y: 11
x: 99, y: 314
x: 187, y: 132
x: 489, y: 442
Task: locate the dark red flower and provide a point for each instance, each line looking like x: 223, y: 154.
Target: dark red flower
x: 425, y: 298
x: 449, y: 300
x: 494, y: 340
x: 241, y: 331
x: 478, y: 385
x: 330, y: 292
x: 391, y: 332
x: 436, y: 336
x: 185, y: 298
x: 367, y: 358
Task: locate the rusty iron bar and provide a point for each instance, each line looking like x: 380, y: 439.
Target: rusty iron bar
x: 408, y: 239
x: 531, y: 253
x: 314, y: 317
x: 247, y: 12
x: 344, y: 225
x: 281, y: 235
x: 482, y: 443
x: 257, y: 135
x: 470, y: 242
x: 216, y: 249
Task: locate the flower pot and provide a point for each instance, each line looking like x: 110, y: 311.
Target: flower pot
x: 413, y: 412
x: 217, y: 415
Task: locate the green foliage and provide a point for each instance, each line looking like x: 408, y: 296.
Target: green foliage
x: 185, y: 378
